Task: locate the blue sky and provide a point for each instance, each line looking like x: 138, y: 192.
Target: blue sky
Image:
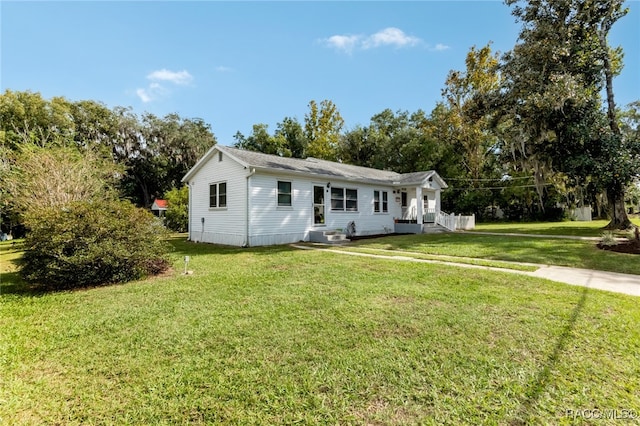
x: 235, y: 64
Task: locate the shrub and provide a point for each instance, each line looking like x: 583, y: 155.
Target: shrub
x: 177, y: 214
x: 89, y: 243
x: 608, y: 239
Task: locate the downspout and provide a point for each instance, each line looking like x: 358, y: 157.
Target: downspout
x: 252, y: 172
x: 189, y: 221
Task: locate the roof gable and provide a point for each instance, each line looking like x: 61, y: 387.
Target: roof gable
x: 159, y: 205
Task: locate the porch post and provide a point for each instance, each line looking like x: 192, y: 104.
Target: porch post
x: 419, y: 205
x: 438, y: 200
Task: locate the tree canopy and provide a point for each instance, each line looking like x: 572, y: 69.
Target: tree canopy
x: 525, y: 130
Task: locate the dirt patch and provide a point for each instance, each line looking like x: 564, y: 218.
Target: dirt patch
x: 629, y: 247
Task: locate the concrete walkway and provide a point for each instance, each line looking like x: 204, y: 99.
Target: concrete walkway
x: 601, y: 280
x: 610, y: 281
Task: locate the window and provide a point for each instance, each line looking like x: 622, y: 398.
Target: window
x: 218, y: 195
x: 344, y: 199
x: 284, y: 194
x: 219, y: 155
x: 380, y: 201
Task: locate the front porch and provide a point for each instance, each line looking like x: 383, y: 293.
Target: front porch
x: 414, y: 228
x: 434, y: 221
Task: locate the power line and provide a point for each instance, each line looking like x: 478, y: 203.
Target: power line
x: 490, y: 180
x: 498, y: 187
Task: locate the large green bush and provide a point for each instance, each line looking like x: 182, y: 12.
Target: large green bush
x: 177, y: 214
x: 91, y: 243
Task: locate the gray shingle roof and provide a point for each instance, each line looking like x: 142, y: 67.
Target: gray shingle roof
x: 312, y: 166
x: 322, y: 168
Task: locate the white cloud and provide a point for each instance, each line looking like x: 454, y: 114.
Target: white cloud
x: 390, y: 37
x: 440, y: 47
x: 180, y: 77
x: 343, y: 42
x: 144, y: 95
x: 222, y: 68
x: 155, y: 90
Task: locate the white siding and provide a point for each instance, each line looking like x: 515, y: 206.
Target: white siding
x: 270, y: 224
x: 221, y: 226
x: 266, y: 223
x: 367, y: 221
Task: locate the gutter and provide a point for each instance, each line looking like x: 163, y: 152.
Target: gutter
x: 252, y: 171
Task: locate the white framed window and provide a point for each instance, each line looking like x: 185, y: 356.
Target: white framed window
x: 218, y: 195
x: 344, y: 199
x: 285, y: 196
x: 380, y: 201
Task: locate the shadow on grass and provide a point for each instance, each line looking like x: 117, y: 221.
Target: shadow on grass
x: 544, y: 377
x: 183, y: 247
x: 11, y: 283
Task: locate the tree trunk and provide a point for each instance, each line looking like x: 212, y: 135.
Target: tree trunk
x: 608, y: 73
x: 617, y: 211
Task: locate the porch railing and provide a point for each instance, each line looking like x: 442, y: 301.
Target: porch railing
x: 446, y: 220
x: 429, y: 216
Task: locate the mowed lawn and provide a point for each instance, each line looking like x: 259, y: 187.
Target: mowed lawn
x: 278, y: 336
x: 573, y: 228
x: 528, y: 249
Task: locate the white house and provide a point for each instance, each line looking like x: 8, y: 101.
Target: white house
x: 246, y: 198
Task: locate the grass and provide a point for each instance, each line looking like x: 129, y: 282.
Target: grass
x: 436, y: 257
x: 276, y: 335
x: 572, y: 228
x: 548, y: 251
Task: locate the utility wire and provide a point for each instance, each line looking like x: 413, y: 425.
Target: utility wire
x: 489, y: 180
x: 498, y: 187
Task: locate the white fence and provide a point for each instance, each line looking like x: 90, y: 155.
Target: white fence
x: 466, y: 222
x: 453, y: 222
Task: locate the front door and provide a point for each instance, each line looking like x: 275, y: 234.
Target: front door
x: 318, y: 205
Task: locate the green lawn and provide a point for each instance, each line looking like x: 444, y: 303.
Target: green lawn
x: 279, y: 336
x: 549, y: 251
x: 574, y: 228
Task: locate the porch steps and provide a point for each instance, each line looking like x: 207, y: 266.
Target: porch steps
x: 327, y: 237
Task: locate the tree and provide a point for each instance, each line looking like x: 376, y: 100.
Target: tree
x: 465, y: 128
x: 358, y: 147
x: 551, y: 94
x: 157, y: 152
x: 27, y: 117
x: 51, y: 177
x: 471, y: 133
x: 95, y: 125
x: 322, y: 127
x: 260, y: 141
x: 290, y: 134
